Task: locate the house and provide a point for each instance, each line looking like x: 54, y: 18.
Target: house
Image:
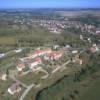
x: 35, y: 62
x: 74, y: 51
x: 44, y: 51
x: 2, y: 55
x: 20, y: 66
x: 3, y: 76
x: 67, y: 46
x: 77, y: 61
x: 55, y: 55
x: 89, y: 40
x: 15, y: 88
x: 55, y: 47
x: 97, y: 32
x: 35, y: 54
x: 18, y: 50
x: 94, y: 48
x: 47, y: 50
x: 32, y: 56
x: 81, y: 37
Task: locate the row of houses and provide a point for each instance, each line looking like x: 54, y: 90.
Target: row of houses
x: 37, y: 57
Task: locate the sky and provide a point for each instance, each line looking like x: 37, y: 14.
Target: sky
x: 49, y: 3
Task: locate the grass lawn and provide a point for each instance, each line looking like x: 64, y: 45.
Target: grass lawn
x: 49, y: 81
x: 4, y: 85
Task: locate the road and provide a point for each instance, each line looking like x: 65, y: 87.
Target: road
x: 26, y: 91
x: 59, y: 67
x: 66, y: 63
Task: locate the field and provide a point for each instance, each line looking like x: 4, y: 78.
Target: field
x: 93, y: 92
x: 31, y: 78
x: 66, y: 89
x: 78, y: 13
x: 7, y: 40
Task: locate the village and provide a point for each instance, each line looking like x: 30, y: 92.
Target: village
x: 41, y: 63
x: 41, y: 52
x: 57, y: 27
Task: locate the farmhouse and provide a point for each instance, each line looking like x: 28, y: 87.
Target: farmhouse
x: 77, y: 60
x: 15, y: 88
x: 35, y: 62
x: 2, y: 55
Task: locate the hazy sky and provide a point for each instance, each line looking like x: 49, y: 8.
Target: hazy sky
x: 49, y: 3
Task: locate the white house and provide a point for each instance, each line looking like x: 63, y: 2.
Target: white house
x: 15, y: 88
x: 77, y: 61
x: 74, y: 51
x: 18, y: 50
x: 2, y: 55
x: 36, y: 62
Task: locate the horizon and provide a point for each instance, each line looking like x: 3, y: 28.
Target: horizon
x: 30, y: 4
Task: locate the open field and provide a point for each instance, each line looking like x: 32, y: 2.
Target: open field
x: 30, y: 78
x: 88, y: 89
x: 50, y: 81
x: 78, y: 13
x: 93, y: 93
x: 7, y: 40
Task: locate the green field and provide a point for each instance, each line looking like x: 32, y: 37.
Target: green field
x: 7, y: 40
x: 93, y: 93
x: 31, y: 78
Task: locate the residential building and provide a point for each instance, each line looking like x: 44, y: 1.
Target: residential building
x: 55, y: 55
x: 35, y: 62
x: 15, y: 88
x: 77, y: 61
x: 2, y: 55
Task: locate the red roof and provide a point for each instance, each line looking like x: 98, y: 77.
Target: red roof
x: 54, y: 53
x: 21, y: 65
x: 42, y: 51
x: 38, y: 51
x: 38, y: 59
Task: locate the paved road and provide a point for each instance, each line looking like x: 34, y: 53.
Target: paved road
x: 66, y: 63
x: 26, y: 91
x: 59, y: 67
